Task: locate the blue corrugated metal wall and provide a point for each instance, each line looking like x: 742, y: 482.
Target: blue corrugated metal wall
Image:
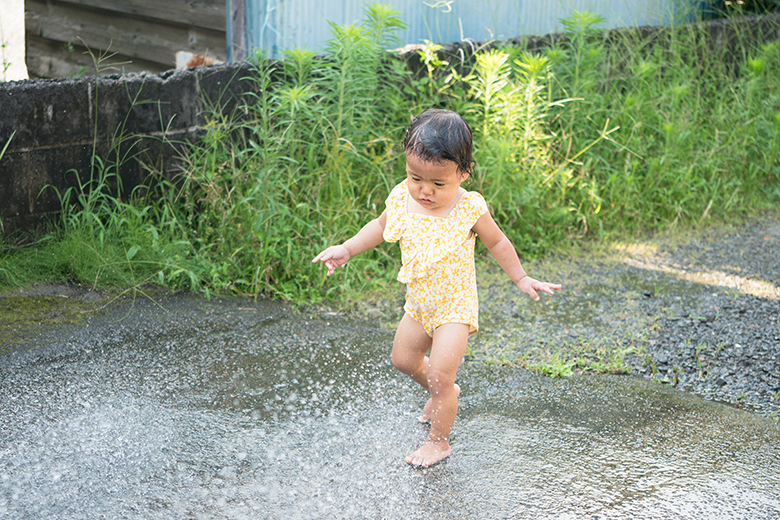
x: 283, y: 24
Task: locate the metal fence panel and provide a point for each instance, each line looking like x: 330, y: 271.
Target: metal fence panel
x: 277, y: 25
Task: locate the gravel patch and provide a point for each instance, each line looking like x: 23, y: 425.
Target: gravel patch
x: 723, y: 344
x: 701, y: 314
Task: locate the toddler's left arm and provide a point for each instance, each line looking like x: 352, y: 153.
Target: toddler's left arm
x: 504, y: 252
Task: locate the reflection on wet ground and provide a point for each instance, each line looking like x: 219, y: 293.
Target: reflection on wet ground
x: 230, y: 409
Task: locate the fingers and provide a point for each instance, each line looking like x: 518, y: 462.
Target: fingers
x: 328, y: 256
x: 550, y: 288
x: 329, y: 259
x: 330, y: 265
x: 323, y: 256
x: 533, y: 287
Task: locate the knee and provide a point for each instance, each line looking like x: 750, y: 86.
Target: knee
x: 440, y: 381
x: 401, y: 363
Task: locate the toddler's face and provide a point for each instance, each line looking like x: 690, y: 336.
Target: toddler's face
x: 434, y: 187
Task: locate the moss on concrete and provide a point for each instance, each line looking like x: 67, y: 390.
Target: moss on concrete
x: 26, y: 312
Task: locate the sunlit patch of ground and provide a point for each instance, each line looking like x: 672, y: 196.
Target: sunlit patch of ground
x: 657, y: 262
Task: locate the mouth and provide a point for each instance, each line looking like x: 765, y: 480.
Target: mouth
x: 426, y: 201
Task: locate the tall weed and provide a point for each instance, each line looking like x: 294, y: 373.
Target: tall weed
x: 307, y: 159
x: 696, y: 128
x: 106, y: 237
x: 599, y: 134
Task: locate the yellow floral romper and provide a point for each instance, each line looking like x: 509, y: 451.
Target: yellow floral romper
x: 438, y: 259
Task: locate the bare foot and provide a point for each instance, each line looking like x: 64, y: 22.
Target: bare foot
x: 427, y: 412
x: 429, y: 454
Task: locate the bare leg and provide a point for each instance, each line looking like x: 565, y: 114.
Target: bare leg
x: 447, y: 349
x: 425, y: 416
x: 409, y: 348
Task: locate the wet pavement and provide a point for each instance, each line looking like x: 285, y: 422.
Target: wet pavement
x: 187, y: 408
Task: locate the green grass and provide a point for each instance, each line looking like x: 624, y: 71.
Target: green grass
x: 588, y: 140
x: 560, y: 359
x: 553, y: 366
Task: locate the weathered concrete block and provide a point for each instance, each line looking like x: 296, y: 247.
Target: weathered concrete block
x: 166, y: 102
x: 42, y: 112
x: 49, y: 171
x: 222, y: 85
x: 142, y: 117
x: 12, y: 197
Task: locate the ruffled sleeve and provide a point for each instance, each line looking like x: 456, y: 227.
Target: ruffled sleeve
x: 473, y: 207
x: 396, y: 213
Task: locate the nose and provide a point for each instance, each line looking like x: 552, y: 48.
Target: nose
x: 427, y: 189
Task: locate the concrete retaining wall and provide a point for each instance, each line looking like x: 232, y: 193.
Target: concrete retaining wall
x: 52, y: 126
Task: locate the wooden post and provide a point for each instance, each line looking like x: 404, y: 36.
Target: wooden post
x: 236, y: 29
x: 12, y: 48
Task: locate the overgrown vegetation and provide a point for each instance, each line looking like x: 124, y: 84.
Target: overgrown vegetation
x: 740, y: 7
x: 600, y: 134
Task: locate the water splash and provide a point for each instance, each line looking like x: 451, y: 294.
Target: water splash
x: 228, y: 410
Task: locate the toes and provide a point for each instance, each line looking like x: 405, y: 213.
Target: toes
x: 422, y: 462
x: 424, y: 458
x: 415, y: 459
x: 416, y: 462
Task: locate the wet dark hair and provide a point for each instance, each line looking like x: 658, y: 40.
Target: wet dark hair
x: 440, y: 135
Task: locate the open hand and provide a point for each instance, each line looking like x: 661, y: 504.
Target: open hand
x: 333, y: 257
x: 533, y: 287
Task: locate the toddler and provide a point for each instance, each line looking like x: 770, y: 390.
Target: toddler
x: 436, y: 222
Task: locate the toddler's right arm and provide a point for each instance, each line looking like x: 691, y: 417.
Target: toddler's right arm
x: 367, y: 238
x: 506, y: 256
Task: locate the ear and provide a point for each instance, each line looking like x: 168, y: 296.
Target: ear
x: 465, y: 175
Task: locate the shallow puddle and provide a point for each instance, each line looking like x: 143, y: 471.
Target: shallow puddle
x: 232, y: 409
